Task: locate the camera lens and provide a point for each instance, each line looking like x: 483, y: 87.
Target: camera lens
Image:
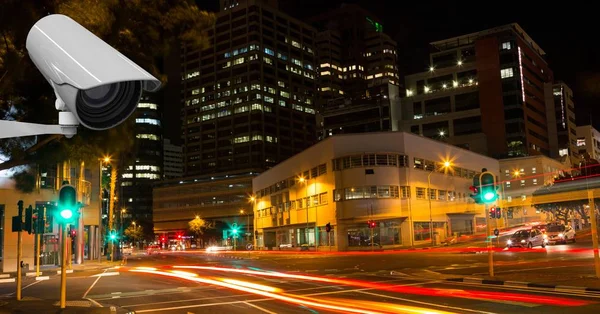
x: 105, y: 106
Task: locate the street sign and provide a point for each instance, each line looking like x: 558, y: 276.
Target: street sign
x: 496, y: 232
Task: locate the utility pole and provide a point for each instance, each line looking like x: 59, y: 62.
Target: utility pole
x: 63, y: 266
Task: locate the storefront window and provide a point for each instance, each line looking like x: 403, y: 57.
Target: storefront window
x: 325, y: 238
x: 386, y: 232
x: 422, y: 231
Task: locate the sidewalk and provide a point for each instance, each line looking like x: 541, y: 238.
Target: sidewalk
x: 35, y: 305
x: 86, y: 266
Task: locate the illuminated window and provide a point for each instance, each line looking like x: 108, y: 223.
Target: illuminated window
x: 127, y: 175
x: 581, y: 142
x: 151, y: 137
x: 192, y: 75
x: 298, y: 107
x: 325, y: 73
x: 509, y: 199
x: 269, y: 51
x: 268, y: 60
x: 325, y: 65
x: 241, y: 139
x: 506, y: 73
x: 147, y: 121
x: 296, y: 62
x: 238, y: 61
x: 151, y: 176
x: 240, y: 109
x: 194, y: 91
x: 284, y: 94
x: 271, y: 139
x: 269, y: 99
x: 534, y: 181
x: 533, y: 170
x: 147, y: 167
x: 257, y: 137
x: 280, y: 83
x: 256, y: 107
x: 506, y: 45
x: 224, y: 113
x: 325, y: 89
x: 309, y: 110
x: 281, y: 56
x: 148, y: 105
x: 296, y: 44
x: 522, y: 182
x: 208, y: 116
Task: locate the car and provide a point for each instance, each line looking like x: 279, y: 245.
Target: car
x: 527, y: 238
x: 559, y: 233
x: 153, y: 249
x: 127, y: 250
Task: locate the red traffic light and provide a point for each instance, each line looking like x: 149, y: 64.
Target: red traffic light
x: 473, y: 189
x: 162, y: 239
x: 179, y: 236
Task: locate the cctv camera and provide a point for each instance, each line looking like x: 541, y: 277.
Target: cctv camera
x: 92, y: 80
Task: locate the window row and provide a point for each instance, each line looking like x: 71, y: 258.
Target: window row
x: 428, y: 165
x: 363, y: 160
x: 310, y: 201
x: 362, y: 192
x: 302, y: 178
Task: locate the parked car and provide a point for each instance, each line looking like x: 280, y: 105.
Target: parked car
x: 527, y: 238
x: 153, y: 249
x: 559, y: 233
x: 127, y: 250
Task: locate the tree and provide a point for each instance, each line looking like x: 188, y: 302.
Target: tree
x: 198, y: 225
x: 134, y: 233
x: 144, y: 31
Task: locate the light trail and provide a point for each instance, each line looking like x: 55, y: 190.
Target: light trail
x: 467, y: 294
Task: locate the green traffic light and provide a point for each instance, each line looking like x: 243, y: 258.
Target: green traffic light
x: 113, y: 236
x: 235, y: 231
x: 66, y: 213
x: 489, y: 196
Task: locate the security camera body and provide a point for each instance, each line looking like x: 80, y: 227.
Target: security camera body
x: 92, y: 80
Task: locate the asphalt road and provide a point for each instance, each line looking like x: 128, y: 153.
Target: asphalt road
x: 381, y: 282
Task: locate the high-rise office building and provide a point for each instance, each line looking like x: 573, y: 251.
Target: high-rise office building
x: 137, y: 178
x: 358, y: 73
x: 249, y: 99
x: 172, y: 160
x: 490, y: 92
x: 565, y: 119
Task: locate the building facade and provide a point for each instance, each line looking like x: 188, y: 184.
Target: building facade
x: 565, y: 119
x: 138, y: 177
x: 520, y: 177
x: 249, y: 99
x: 44, y: 197
x: 172, y: 160
x: 412, y: 187
x: 357, y: 75
x: 588, y: 141
x: 219, y: 199
x: 489, y: 92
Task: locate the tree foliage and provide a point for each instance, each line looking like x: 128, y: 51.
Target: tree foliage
x: 565, y: 210
x: 144, y: 31
x: 134, y: 232
x: 198, y: 225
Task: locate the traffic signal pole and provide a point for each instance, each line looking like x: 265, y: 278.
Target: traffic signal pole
x: 19, y: 258
x: 63, y: 266
x: 489, y: 240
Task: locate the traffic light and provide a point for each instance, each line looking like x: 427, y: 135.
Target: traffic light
x: 328, y: 227
x: 113, y: 235
x: 487, y: 189
x: 28, y: 220
x: 498, y: 212
x: 475, y: 190
x: 492, y: 212
x: 371, y: 224
x: 73, y: 232
x: 67, y: 204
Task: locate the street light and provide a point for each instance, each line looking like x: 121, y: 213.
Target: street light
x: 247, y: 224
x: 445, y: 165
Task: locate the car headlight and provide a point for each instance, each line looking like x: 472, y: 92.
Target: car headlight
x: 509, y: 242
x: 560, y: 235
x: 523, y: 241
x: 545, y: 236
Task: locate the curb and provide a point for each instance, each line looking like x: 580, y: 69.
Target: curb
x: 522, y: 284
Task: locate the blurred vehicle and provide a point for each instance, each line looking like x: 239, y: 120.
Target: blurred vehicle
x: 127, y: 250
x: 540, y: 227
x: 153, y: 249
x: 527, y: 238
x: 559, y: 233
x: 218, y: 248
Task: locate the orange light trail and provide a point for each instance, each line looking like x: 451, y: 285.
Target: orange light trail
x: 281, y: 297
x: 467, y: 294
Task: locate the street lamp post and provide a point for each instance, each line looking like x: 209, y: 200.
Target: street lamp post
x: 247, y: 224
x: 445, y: 166
x: 305, y: 181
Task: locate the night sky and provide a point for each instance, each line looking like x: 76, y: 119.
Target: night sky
x: 566, y: 32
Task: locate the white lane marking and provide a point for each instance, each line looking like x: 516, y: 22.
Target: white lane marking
x: 115, y: 293
x: 112, y: 273
x: 259, y: 308
x: 42, y: 278
x: 92, y: 286
x: 7, y: 280
x: 425, y: 303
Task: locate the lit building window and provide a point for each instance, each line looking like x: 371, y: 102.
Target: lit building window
x: 241, y: 139
x: 269, y: 51
x: 148, y: 105
x: 192, y: 75
x: 269, y: 99
x: 296, y: 44
x: 284, y: 94
x: 522, y: 182
x: 268, y: 60
x: 147, y: 121
x: 325, y: 73
x: 240, y: 109
x: 581, y: 142
x: 151, y: 176
x: 533, y: 170
x: 506, y: 73
x: 147, y: 167
x: 296, y: 62
x: 127, y: 175
x: 238, y: 61
x: 151, y: 137
x: 325, y: 89
x: 194, y: 91
x: 506, y: 45
x: 534, y: 181
x: 271, y: 139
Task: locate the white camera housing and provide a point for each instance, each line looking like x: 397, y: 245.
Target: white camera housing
x: 96, y: 83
